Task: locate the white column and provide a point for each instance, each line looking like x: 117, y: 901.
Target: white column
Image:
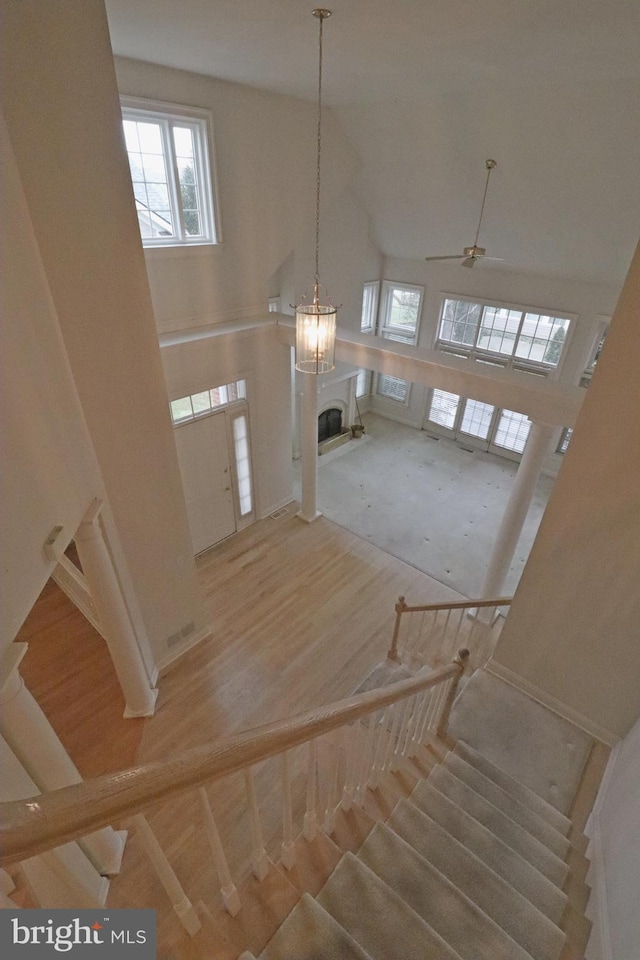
x: 515, y: 514
x: 309, y: 509
x: 116, y: 628
x: 36, y: 745
x: 62, y: 877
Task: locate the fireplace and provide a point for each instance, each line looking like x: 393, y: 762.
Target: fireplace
x: 329, y: 424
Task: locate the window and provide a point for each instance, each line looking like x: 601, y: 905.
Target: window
x: 476, y: 420
x: 528, y: 341
x: 401, y: 307
x: 369, y: 306
x: 169, y: 149
x: 363, y: 383
x: 444, y: 408
x: 513, y: 430
x: 399, y: 320
x: 393, y: 388
x: 200, y: 404
x: 242, y: 464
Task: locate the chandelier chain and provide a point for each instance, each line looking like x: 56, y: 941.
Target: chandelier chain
x: 319, y: 151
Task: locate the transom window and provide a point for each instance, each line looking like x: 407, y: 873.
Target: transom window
x: 171, y: 171
x: 513, y: 336
x: 200, y: 404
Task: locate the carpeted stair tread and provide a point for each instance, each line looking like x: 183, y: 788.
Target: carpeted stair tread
x: 541, y: 829
x: 502, y: 826
x: 377, y: 918
x: 310, y: 933
x: 524, y: 922
x: 458, y: 920
x: 518, y: 790
x: 499, y: 856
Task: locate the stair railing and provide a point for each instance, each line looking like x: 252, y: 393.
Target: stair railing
x: 430, y: 633
x: 349, y: 746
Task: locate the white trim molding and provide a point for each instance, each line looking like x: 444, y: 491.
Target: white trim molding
x: 556, y: 706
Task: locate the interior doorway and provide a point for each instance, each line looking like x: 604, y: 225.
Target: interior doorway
x: 205, y: 467
x: 215, y: 466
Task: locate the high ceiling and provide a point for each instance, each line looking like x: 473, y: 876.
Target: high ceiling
x: 427, y: 90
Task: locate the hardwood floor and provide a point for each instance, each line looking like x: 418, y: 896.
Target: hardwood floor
x: 299, y: 614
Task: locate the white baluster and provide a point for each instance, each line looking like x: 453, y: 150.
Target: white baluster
x: 353, y: 738
x: 310, y: 826
x: 181, y: 904
x: 454, y: 640
x: 410, y: 724
x: 416, y: 723
x: 391, y: 741
x: 259, y: 857
x: 402, y: 731
x: 441, y: 698
x: 380, y: 749
x: 334, y: 777
x: 230, y: 896
x: 366, y: 761
x: 424, y: 720
x: 445, y: 645
x: 288, y: 846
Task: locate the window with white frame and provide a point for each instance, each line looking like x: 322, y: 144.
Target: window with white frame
x: 400, y: 312
x: 363, y: 383
x: 370, y: 293
x: 207, y: 401
x: 510, y: 336
x: 171, y: 163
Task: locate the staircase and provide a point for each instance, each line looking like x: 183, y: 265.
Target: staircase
x: 413, y: 844
x: 471, y: 866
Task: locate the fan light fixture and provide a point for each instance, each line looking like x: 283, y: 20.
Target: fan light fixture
x: 470, y: 255
x: 316, y: 320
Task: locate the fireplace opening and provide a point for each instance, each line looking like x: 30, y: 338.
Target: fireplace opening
x: 329, y: 424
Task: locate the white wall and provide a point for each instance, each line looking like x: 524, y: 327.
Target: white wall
x: 572, y: 633
x: 257, y: 355
x: 265, y: 157
x: 50, y: 473
x: 266, y: 167
x: 62, y: 110
x: 615, y: 857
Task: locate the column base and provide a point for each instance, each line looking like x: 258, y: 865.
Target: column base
x: 306, y: 519
x: 149, y: 711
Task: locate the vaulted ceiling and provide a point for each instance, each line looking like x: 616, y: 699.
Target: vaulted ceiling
x: 429, y: 89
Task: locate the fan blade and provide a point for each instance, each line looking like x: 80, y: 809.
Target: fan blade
x: 453, y: 256
x: 469, y: 262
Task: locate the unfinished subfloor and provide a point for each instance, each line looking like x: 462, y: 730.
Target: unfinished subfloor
x: 428, y: 502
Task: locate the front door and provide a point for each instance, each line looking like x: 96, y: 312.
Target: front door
x: 203, y: 455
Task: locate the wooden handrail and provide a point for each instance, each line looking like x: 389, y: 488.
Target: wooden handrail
x: 457, y: 605
x: 403, y: 607
x: 31, y: 826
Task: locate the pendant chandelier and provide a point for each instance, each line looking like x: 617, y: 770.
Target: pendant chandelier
x: 316, y: 320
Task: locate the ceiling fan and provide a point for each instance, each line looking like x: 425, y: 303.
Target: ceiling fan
x: 470, y: 255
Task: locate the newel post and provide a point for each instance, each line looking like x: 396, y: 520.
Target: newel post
x: 443, y: 723
x: 401, y: 606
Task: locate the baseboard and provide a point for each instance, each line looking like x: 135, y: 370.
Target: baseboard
x: 172, y: 655
x: 550, y: 702
x: 274, y: 507
x: 592, y: 821
x: 599, y: 946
